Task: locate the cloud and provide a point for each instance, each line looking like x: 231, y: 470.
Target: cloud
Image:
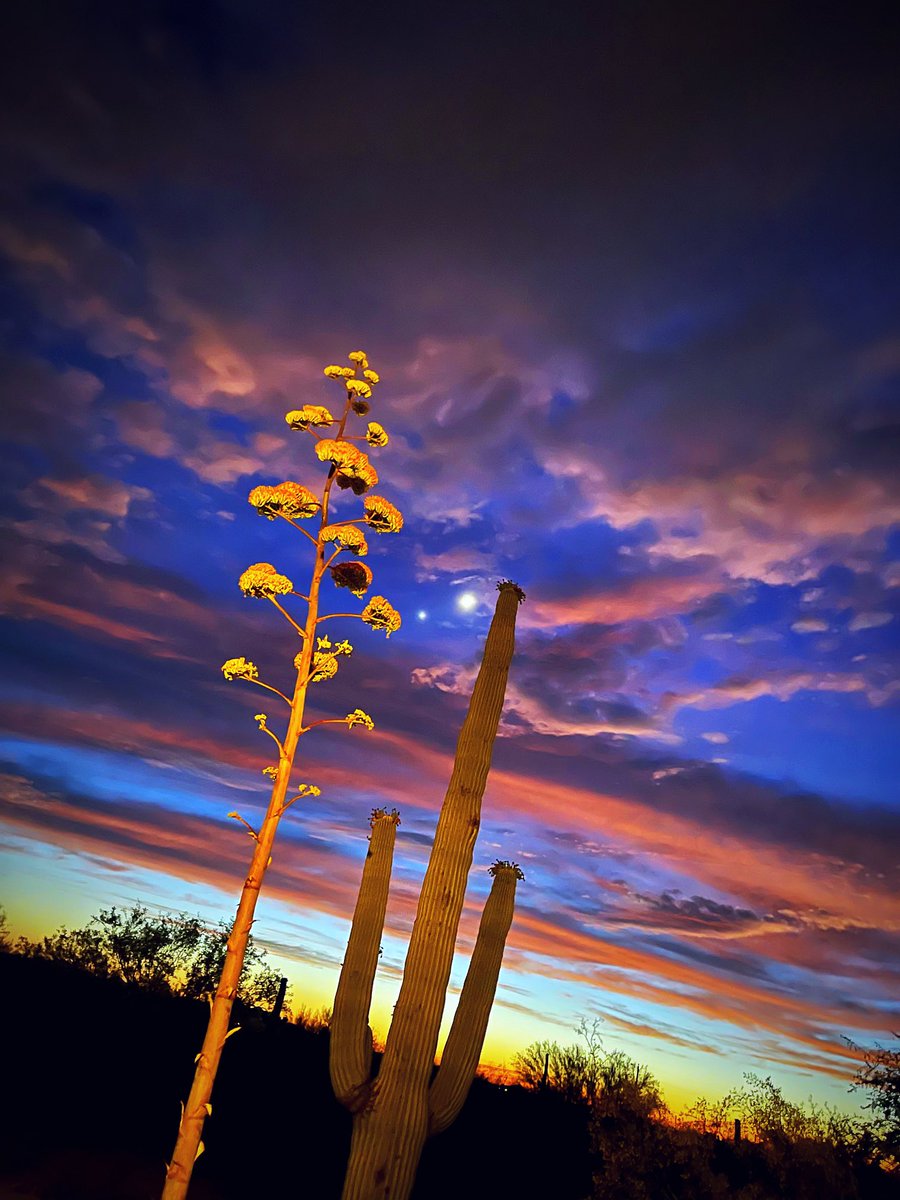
x: 768, y: 522
x: 109, y: 496
x: 698, y: 917
x: 869, y: 620
x: 47, y: 407
x: 561, y: 689
x: 32, y: 252
x: 810, y: 625
x: 628, y: 600
x: 102, y: 600
x: 142, y: 424
x: 782, y: 685
x: 456, y: 561
x: 221, y: 462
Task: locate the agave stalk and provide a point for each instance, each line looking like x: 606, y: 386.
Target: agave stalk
x: 394, y: 1113
x: 316, y: 660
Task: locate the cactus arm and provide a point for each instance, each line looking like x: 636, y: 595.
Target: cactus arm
x: 350, y: 1041
x: 464, y: 1043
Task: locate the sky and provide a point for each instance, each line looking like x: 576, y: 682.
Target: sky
x: 630, y: 279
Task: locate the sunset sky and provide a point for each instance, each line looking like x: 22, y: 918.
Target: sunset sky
x: 630, y: 278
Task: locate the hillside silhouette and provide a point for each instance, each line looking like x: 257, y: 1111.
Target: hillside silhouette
x: 101, y: 1065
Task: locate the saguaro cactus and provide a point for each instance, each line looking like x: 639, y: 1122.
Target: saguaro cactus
x: 396, y: 1111
x: 317, y: 661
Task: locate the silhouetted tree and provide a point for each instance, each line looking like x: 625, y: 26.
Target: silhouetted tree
x: 879, y: 1075
x: 626, y: 1088
x: 177, y: 955
x: 572, y: 1071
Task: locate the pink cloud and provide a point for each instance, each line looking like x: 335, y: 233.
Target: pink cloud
x: 17, y: 602
x: 95, y: 492
x: 759, y: 522
x: 870, y: 620
x: 30, y: 252
x: 457, y: 561
x: 638, y: 599
x: 781, y: 685
x: 122, y: 617
x: 222, y: 463
x: 142, y: 425
x: 810, y: 625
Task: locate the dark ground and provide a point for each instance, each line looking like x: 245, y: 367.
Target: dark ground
x: 95, y: 1071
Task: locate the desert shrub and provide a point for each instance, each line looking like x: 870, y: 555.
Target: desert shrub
x: 315, y: 1020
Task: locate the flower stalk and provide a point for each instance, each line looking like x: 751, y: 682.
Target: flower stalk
x: 349, y: 467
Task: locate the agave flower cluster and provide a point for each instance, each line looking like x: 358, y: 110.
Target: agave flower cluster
x: 340, y: 543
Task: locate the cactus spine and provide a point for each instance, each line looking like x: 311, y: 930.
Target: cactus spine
x: 396, y: 1112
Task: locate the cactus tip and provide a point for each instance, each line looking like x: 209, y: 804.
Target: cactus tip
x: 392, y: 814
x: 503, y: 864
x: 508, y: 585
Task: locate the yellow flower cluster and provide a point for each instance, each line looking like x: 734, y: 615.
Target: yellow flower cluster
x: 353, y: 467
x: 309, y: 415
x: 324, y: 666
x: 324, y: 663
x: 339, y: 648
x: 348, y: 537
x: 376, y: 435
x: 358, y: 387
x: 239, y: 668
x: 358, y: 717
x: 353, y: 575
x: 381, y: 614
x: 381, y: 515
x: 342, y: 454
x: 264, y: 582
x: 288, y: 499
